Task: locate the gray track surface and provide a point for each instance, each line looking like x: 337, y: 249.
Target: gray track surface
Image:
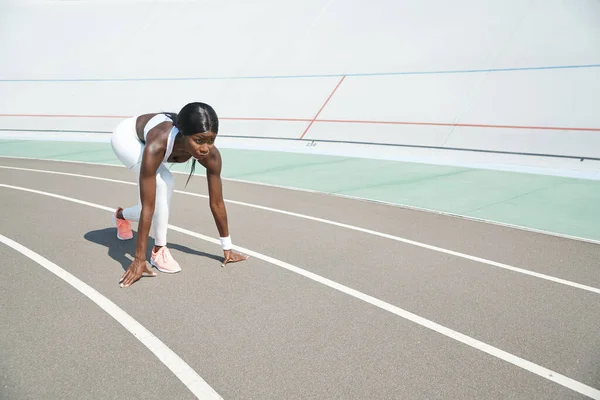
x: 257, y: 331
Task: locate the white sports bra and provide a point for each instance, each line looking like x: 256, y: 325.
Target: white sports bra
x: 157, y: 119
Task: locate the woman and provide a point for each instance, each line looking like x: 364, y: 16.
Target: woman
x: 146, y: 143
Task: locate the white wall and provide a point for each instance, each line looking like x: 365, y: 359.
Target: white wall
x: 399, y: 57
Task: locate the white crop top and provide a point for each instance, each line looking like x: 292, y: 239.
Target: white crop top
x: 157, y: 119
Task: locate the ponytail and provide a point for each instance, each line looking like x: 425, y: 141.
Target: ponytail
x: 191, y: 171
x: 173, y: 117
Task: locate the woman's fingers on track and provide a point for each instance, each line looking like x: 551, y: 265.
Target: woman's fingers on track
x: 232, y: 257
x: 148, y: 272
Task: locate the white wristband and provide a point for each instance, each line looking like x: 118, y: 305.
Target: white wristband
x: 226, y: 243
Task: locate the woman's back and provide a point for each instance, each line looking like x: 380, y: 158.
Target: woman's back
x: 145, y: 122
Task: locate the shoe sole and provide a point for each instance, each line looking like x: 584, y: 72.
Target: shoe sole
x: 163, y: 270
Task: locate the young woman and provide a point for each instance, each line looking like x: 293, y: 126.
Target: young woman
x: 146, y: 143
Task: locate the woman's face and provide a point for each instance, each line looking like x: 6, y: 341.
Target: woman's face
x: 199, y: 144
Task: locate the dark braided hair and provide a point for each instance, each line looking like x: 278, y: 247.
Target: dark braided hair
x: 193, y: 118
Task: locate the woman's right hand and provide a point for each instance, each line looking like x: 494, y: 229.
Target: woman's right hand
x: 135, y: 271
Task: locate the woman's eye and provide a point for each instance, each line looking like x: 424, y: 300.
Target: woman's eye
x: 200, y: 141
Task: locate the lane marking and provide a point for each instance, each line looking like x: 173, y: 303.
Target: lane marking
x: 322, y: 107
x: 170, y: 359
x: 80, y: 135
x: 358, y: 74
x: 115, y: 164
x: 129, y: 116
x: 553, y: 128
x: 64, y: 116
x: 344, y: 196
x: 460, y: 337
x: 350, y: 227
x: 340, y: 121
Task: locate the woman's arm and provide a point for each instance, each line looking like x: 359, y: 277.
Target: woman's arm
x: 215, y: 194
x: 154, y: 152
x: 217, y: 207
x: 151, y: 160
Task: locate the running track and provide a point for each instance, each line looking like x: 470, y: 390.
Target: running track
x: 341, y: 299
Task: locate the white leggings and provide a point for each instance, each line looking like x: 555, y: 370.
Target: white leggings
x: 129, y: 149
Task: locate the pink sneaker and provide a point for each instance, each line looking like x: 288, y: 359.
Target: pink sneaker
x: 163, y: 261
x: 123, y: 227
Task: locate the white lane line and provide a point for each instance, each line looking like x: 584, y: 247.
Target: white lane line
x: 354, y: 228
x: 460, y: 337
x: 351, y: 197
x: 68, y: 174
x: 346, y: 196
x: 180, y: 368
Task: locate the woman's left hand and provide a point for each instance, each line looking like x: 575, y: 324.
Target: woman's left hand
x: 232, y: 257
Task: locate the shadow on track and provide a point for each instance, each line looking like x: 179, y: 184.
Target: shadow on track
x: 118, y: 250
